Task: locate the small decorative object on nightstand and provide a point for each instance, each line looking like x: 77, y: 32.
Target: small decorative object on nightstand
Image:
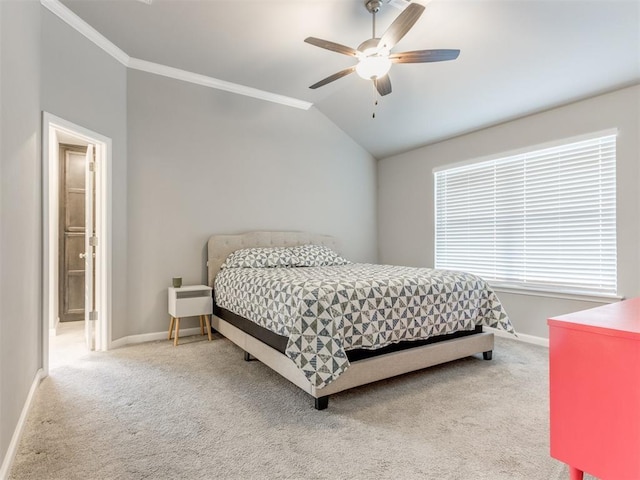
x: 189, y: 301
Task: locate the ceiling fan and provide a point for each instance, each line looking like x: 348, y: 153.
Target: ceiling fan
x: 374, y: 55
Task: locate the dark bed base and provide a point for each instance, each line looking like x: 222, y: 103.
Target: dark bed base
x: 279, y: 343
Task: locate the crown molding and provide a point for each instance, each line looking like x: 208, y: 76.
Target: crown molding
x: 190, y: 77
x: 82, y: 27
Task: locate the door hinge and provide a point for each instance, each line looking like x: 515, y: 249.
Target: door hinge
x: 93, y: 315
x: 93, y: 241
x: 92, y: 166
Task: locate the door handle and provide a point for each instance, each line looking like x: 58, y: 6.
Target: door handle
x: 82, y: 255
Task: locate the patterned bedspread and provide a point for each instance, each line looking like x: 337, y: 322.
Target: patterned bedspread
x: 327, y: 310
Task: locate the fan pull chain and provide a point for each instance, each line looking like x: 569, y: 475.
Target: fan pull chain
x: 375, y: 99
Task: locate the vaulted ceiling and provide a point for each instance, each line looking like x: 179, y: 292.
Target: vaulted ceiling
x: 517, y: 56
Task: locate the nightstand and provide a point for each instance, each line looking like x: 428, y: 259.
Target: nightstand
x: 189, y: 301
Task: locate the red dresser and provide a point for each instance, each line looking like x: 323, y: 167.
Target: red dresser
x: 594, y: 377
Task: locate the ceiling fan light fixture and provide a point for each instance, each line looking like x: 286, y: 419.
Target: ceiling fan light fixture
x: 373, y: 67
x: 374, y: 55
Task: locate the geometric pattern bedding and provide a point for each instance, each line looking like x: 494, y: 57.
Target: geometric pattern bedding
x: 325, y: 311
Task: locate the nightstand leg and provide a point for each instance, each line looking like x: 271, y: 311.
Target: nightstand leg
x: 201, y: 326
x: 172, y: 320
x: 206, y: 319
x: 175, y: 340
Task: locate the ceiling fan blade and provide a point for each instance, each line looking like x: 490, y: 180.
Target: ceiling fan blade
x: 334, y: 77
x: 383, y: 85
x: 401, y: 25
x: 334, y: 47
x: 424, y: 56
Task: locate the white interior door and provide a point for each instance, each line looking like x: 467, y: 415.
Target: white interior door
x: 90, y: 314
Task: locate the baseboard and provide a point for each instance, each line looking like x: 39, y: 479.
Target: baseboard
x: 151, y: 337
x: 53, y: 331
x: 17, y: 433
x: 522, y: 337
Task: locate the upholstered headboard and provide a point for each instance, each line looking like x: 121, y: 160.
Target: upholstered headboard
x: 221, y: 246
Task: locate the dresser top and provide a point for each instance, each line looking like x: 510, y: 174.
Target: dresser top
x: 619, y: 319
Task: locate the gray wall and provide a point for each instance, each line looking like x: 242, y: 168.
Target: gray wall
x: 405, y: 192
x: 20, y: 206
x: 84, y: 85
x: 202, y: 161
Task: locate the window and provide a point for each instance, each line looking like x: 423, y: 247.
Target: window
x: 540, y: 220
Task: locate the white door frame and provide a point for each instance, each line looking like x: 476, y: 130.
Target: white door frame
x: 54, y: 128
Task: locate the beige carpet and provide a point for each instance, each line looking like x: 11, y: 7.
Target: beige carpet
x: 199, y: 411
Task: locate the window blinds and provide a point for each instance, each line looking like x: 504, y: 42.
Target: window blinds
x: 542, y: 220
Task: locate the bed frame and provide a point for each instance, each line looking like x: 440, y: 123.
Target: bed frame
x: 359, y: 372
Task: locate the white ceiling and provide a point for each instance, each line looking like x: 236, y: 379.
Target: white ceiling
x: 517, y: 56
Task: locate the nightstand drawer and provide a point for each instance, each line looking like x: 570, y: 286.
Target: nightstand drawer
x: 190, y: 301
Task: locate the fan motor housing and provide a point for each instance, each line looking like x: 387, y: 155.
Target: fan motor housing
x: 373, y: 6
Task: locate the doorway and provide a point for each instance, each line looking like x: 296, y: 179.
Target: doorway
x: 71, y: 233
x: 76, y: 236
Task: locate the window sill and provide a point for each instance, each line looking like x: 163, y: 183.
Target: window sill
x: 565, y: 295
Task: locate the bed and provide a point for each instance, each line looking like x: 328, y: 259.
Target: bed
x: 327, y: 324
